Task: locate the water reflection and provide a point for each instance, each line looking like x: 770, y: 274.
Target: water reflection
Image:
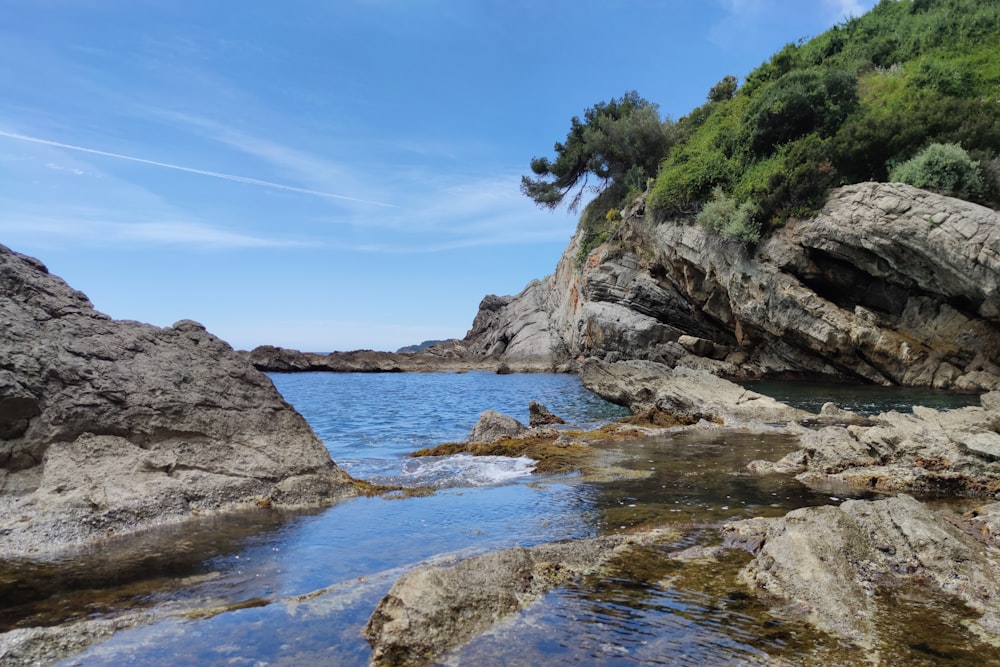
x: 701, y: 476
x: 295, y: 588
x: 653, y: 610
x: 130, y: 572
x: 866, y: 399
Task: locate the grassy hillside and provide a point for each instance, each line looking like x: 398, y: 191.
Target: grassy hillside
x: 849, y: 105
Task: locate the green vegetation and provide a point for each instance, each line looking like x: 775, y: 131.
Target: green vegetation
x: 728, y: 219
x: 944, y: 168
x: 620, y: 143
x: 898, y: 91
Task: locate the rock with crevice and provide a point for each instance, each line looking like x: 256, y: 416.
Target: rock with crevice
x: 111, y: 426
x: 828, y: 564
x: 887, y: 284
x: 953, y: 451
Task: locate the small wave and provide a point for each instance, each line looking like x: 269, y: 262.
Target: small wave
x: 449, y: 471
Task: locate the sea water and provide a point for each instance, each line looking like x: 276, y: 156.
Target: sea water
x: 279, y: 588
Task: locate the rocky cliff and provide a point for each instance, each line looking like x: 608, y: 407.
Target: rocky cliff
x: 109, y: 425
x: 887, y: 284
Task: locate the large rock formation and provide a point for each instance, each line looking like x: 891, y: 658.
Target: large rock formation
x: 888, y: 284
x: 112, y: 425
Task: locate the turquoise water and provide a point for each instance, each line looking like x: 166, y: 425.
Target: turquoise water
x: 296, y: 588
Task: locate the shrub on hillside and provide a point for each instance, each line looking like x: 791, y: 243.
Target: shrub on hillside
x: 801, y: 103
x: 942, y: 168
x: 730, y: 220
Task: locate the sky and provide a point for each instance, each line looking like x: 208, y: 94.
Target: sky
x: 329, y: 175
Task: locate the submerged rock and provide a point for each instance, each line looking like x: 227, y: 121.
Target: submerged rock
x: 830, y: 564
x: 111, y: 426
x: 431, y: 610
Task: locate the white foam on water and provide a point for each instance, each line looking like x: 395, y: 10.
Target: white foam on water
x: 451, y: 471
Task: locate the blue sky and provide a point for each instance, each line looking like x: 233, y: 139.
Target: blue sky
x: 328, y: 175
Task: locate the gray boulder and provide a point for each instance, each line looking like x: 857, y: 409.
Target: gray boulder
x: 643, y: 385
x: 830, y: 564
x: 493, y: 426
x: 111, y: 426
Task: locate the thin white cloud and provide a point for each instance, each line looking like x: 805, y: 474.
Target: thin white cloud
x: 843, y: 9
x: 191, y: 170
x: 58, y: 167
x: 313, y: 168
x: 749, y: 17
x: 195, y: 234
x: 97, y: 227
x: 452, y: 211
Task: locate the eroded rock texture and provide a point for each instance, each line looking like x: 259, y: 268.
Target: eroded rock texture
x: 888, y: 284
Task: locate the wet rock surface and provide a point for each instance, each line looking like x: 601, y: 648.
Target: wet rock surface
x: 829, y: 564
x: 953, y: 452
x: 433, y: 609
x: 109, y: 426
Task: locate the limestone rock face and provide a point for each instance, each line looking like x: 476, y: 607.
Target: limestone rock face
x: 112, y: 425
x: 888, y: 284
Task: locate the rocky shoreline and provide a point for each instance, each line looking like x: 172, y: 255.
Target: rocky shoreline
x: 831, y: 566
x: 447, y: 357
x: 887, y: 284
x: 111, y: 428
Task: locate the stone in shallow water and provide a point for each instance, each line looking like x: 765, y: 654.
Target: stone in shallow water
x: 493, y: 426
x: 539, y: 415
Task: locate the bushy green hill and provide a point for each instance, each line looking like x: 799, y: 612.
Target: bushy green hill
x: 910, y: 91
x: 847, y: 106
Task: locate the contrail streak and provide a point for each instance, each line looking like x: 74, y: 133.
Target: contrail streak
x: 191, y: 170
